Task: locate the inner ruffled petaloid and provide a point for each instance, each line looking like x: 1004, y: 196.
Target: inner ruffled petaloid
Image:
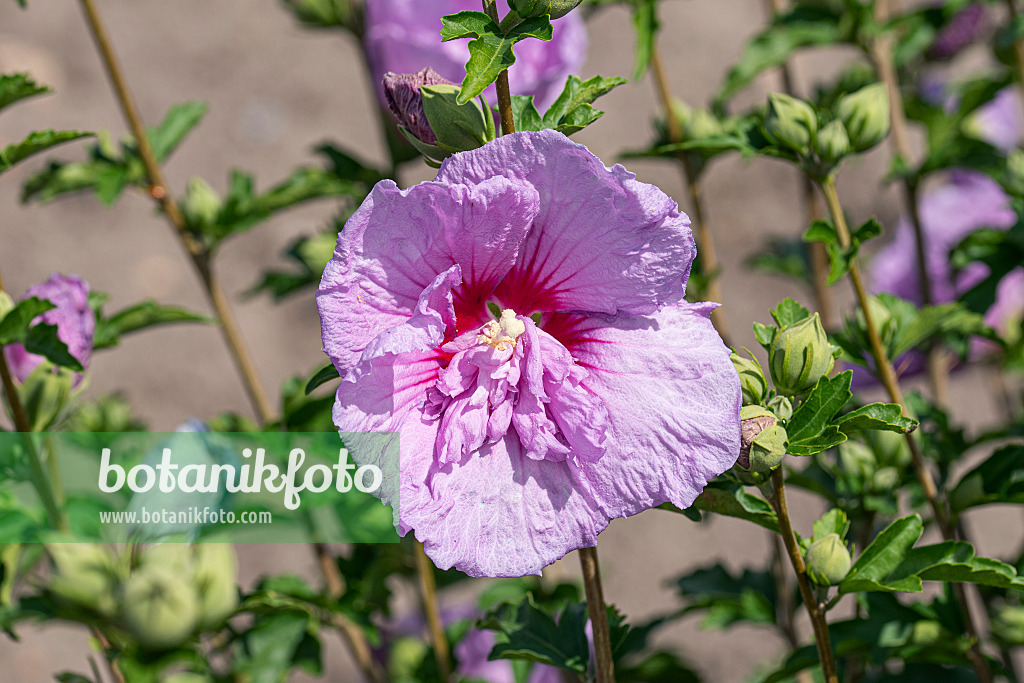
x: 509, y: 375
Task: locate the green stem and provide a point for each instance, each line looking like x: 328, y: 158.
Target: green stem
x: 888, y: 378
x: 40, y: 481
x: 432, y: 610
x: 605, y: 664
x: 1018, y: 45
x: 508, y: 124
x: 796, y: 558
x: 158, y: 189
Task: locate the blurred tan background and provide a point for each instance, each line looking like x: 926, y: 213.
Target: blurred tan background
x: 276, y: 90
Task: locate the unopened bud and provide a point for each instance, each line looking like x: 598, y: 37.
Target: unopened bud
x: 828, y: 560
x: 456, y: 127
x: 800, y: 355
x: 832, y: 143
x: 556, y: 9
x: 202, y: 205
x: 762, y: 440
x: 781, y: 406
x: 790, y: 122
x: 752, y: 382
x: 216, y: 571
x: 86, y: 574
x: 402, y: 93
x: 696, y: 124
x: 158, y: 608
x: 865, y: 114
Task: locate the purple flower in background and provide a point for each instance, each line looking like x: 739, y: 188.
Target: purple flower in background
x: 963, y: 29
x: 404, y: 36
x: 999, y: 122
x: 472, y: 651
x: 596, y: 393
x: 75, y: 321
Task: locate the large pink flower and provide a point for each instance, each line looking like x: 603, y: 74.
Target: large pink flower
x: 597, y: 393
x: 404, y: 36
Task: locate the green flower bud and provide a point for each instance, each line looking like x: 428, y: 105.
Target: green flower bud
x: 1015, y: 172
x: 457, y: 127
x: 174, y: 557
x: 885, y: 479
x: 857, y: 459
x: 865, y: 114
x: 832, y: 143
x: 86, y: 574
x: 790, y: 122
x: 696, y: 124
x: 556, y: 9
x: 45, y: 393
x: 321, y: 13
x: 215, y: 579
x: 762, y: 440
x: 202, y: 204
x: 800, y: 355
x: 159, y: 608
x: 828, y: 560
x: 781, y: 406
x: 752, y: 382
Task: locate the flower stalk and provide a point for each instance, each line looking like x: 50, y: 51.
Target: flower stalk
x: 605, y: 664
x: 1018, y: 44
x: 709, y: 264
x: 432, y: 610
x: 158, y: 189
x: 887, y: 375
x: 814, y: 607
x: 881, y: 52
x: 508, y: 124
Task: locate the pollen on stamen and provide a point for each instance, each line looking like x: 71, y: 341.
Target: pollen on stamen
x: 502, y: 334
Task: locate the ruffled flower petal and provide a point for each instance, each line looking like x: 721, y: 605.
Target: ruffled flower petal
x: 602, y: 242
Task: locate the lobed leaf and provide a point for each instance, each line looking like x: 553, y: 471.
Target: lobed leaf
x: 36, y: 142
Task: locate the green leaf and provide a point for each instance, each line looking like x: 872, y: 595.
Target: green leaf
x: 14, y: 87
x: 525, y: 114
x: 789, y: 312
x: 141, y: 316
x: 532, y: 635
x: 774, y: 46
x: 572, y: 110
x: 322, y: 376
x: 177, y: 123
x: 645, y: 23
x: 840, y: 259
x: 882, y: 556
x: 876, y: 416
x: 35, y: 143
x: 832, y: 522
x: 999, y: 479
x: 15, y: 324
x: 41, y: 339
x: 490, y: 51
x: 817, y: 411
x: 730, y: 499
x: 748, y: 597
x: 275, y: 644
x: 812, y: 445
x: 764, y: 334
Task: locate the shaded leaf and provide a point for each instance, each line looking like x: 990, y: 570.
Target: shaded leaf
x: 141, y: 316
x: 36, y: 142
x: 877, y: 416
x: 14, y: 87
x: 321, y: 377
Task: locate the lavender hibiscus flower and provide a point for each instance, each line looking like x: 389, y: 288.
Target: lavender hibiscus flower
x: 404, y: 36
x: 75, y: 321
x: 596, y: 393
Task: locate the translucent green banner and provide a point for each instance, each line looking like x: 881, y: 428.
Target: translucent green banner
x: 273, y: 487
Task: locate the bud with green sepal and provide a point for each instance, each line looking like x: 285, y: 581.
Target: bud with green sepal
x: 87, y: 574
x: 214, y: 576
x: 832, y: 143
x: 790, y: 122
x: 159, y: 609
x: 752, y: 381
x: 45, y: 393
x: 762, y: 439
x: 458, y: 127
x: 781, y: 406
x: 799, y: 356
x: 828, y: 560
x: 555, y: 9
x: 865, y: 115
x: 696, y: 123
x: 202, y: 204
